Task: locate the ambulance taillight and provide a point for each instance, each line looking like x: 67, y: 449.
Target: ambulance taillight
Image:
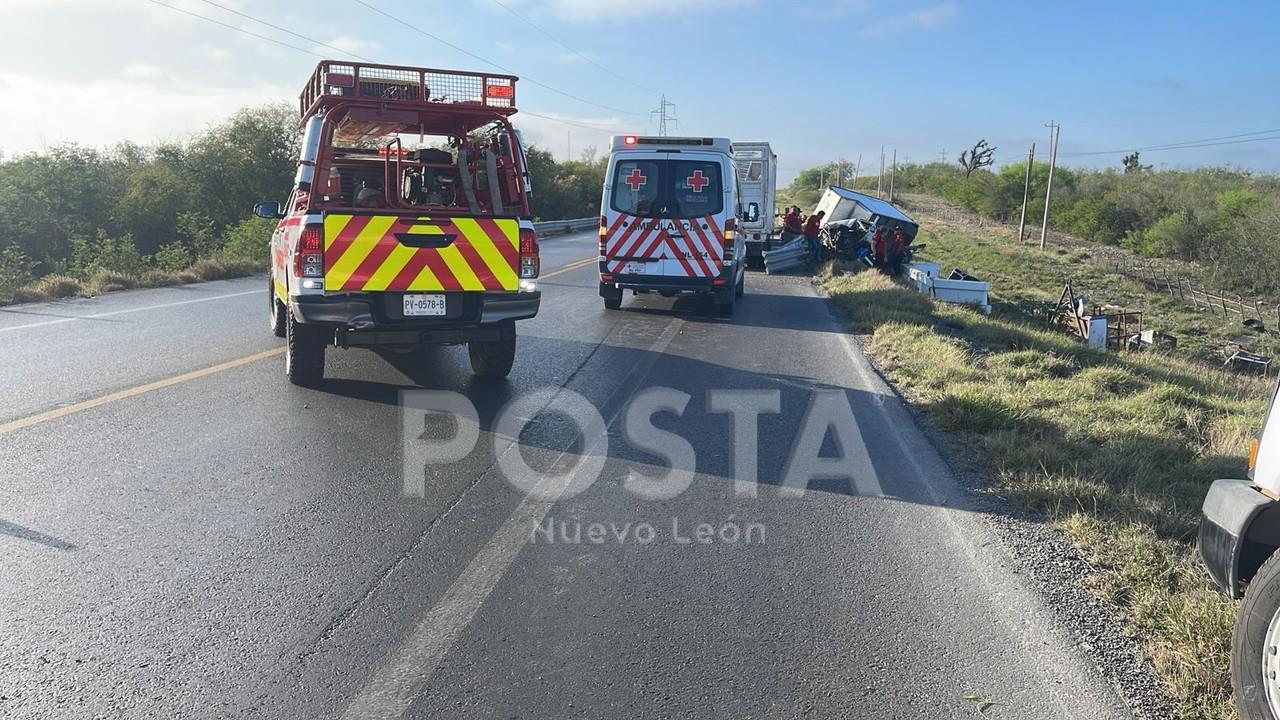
x: 529, y: 264
x: 630, y: 140
x: 604, y: 231
x: 308, y: 258
x: 730, y: 232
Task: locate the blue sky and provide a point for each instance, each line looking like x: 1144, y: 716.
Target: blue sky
x: 819, y: 80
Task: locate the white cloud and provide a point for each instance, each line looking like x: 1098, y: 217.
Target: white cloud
x: 143, y: 71
x: 589, y: 10
x: 926, y: 18
x: 39, y: 112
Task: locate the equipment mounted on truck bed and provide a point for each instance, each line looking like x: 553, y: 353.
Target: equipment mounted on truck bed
x: 409, y: 222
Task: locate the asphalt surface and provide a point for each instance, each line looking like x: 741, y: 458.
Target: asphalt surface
x: 185, y: 534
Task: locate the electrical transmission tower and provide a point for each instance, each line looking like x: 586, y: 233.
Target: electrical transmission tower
x: 664, y: 117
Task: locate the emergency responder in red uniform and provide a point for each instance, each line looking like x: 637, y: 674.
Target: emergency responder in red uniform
x: 878, y: 248
x: 812, y: 229
x: 792, y: 226
x: 896, y: 251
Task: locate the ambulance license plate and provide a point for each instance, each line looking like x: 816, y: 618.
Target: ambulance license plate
x: 634, y: 268
x: 419, y: 305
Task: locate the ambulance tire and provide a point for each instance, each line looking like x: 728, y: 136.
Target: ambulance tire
x: 726, y: 308
x: 492, y: 359
x: 304, y: 353
x: 1250, y: 656
x: 741, y: 288
x: 277, y: 318
x: 612, y: 297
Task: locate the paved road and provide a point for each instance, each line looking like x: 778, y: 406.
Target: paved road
x: 184, y: 534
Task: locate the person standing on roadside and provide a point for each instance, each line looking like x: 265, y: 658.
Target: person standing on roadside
x: 878, y: 248
x: 792, y: 226
x: 898, y: 249
x: 812, y: 230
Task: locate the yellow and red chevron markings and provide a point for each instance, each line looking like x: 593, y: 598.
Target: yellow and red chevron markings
x: 363, y: 253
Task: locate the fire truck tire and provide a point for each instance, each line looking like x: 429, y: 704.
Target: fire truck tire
x: 277, y: 318
x: 492, y: 359
x: 304, y: 353
x: 741, y: 288
x: 1255, y: 652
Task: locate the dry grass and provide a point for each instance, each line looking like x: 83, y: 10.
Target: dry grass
x: 1117, y: 449
x: 54, y: 287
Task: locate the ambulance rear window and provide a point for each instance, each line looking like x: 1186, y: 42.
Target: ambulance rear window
x: 636, y: 186
x: 697, y: 188
x: 667, y: 188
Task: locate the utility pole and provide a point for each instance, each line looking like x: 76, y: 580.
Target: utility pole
x: 1055, y: 131
x: 568, y: 147
x: 880, y: 178
x: 1026, y: 192
x: 893, y: 171
x: 942, y: 157
x: 856, y: 168
x: 663, y: 116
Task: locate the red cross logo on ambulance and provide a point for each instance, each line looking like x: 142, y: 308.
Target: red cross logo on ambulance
x: 697, y: 181
x: 636, y: 180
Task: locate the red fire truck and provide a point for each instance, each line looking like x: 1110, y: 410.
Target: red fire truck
x: 408, y: 223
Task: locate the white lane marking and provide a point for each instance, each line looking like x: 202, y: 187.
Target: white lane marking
x: 393, y: 688
x: 126, y: 311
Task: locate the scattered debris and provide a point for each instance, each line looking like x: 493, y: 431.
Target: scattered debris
x: 1104, y: 327
x: 963, y: 290
x: 984, y: 703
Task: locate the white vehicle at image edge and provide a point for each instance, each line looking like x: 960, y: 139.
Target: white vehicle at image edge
x: 1239, y: 535
x: 669, y: 220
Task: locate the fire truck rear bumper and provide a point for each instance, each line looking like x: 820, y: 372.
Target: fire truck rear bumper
x: 383, y: 311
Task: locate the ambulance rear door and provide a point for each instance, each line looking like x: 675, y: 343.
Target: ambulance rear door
x: 696, y: 209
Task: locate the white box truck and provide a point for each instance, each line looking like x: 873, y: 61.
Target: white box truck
x: 757, y: 177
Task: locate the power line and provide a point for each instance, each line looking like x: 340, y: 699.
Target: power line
x: 315, y: 54
x: 1204, y: 142
x: 583, y: 125
x: 464, y: 51
x: 237, y: 29
x: 562, y: 44
x: 285, y: 30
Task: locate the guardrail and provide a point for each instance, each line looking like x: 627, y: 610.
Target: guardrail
x: 551, y: 227
x: 788, y: 256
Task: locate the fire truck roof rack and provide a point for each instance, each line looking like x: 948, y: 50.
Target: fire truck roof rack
x: 409, y: 88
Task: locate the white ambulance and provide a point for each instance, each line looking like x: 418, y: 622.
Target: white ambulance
x: 669, y: 220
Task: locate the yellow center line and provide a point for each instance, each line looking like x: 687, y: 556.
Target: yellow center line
x: 91, y: 403
x: 571, y: 266
x: 73, y: 408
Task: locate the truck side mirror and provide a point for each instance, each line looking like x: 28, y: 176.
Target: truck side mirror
x: 753, y: 212
x: 269, y: 209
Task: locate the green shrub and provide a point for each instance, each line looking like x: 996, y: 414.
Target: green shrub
x: 249, y: 239
x: 106, y: 253
x: 172, y: 257
x: 16, y: 270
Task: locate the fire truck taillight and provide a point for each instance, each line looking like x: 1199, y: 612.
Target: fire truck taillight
x: 528, y: 254
x: 308, y: 259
